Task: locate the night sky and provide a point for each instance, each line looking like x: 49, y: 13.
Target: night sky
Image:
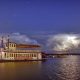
x: 40, y: 16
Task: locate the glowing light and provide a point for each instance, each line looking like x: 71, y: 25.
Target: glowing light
x: 64, y: 42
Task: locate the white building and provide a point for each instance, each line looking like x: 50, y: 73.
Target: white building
x: 14, y: 51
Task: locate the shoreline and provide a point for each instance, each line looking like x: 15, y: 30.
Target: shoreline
x: 20, y: 60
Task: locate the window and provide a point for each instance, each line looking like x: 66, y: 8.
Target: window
x: 34, y: 55
x: 11, y: 55
x: 5, y: 54
x: 10, y: 44
x: 16, y: 55
x: 14, y: 45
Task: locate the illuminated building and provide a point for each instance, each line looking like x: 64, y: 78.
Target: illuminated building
x: 14, y: 51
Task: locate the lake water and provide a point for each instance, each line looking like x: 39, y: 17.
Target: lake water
x: 67, y: 68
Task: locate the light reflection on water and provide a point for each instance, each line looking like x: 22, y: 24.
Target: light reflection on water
x: 67, y: 68
x: 70, y: 68
x: 64, y: 68
x: 21, y: 71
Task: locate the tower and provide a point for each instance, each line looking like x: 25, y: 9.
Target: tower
x: 2, y: 44
x: 2, y: 49
x: 8, y: 42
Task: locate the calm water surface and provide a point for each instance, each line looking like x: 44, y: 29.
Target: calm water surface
x: 67, y: 68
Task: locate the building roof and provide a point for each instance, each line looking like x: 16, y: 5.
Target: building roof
x: 27, y: 46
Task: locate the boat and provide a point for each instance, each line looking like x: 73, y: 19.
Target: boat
x: 12, y: 51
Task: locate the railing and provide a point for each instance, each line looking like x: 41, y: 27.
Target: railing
x: 23, y: 51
